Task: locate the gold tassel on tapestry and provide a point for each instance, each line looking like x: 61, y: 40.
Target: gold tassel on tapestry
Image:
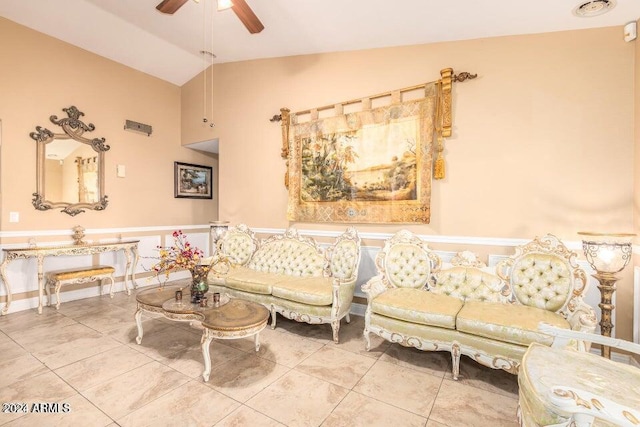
x: 438, y: 167
x: 438, y: 164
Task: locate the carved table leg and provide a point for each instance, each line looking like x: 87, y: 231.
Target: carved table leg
x: 47, y: 288
x: 7, y: 287
x: 205, y: 342
x: 138, y: 317
x: 136, y: 257
x: 127, y: 255
x: 41, y: 286
x: 256, y: 340
x: 58, y: 286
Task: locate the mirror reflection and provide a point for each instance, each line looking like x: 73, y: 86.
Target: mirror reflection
x: 71, y: 171
x: 70, y: 167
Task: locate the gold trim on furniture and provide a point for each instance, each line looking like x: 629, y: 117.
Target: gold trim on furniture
x: 130, y: 249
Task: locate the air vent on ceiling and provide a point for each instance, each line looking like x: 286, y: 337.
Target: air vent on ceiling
x: 594, y: 8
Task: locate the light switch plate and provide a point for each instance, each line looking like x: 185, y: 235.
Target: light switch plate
x: 14, y: 217
x: 120, y: 171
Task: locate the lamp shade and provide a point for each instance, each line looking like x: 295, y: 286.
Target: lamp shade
x: 607, y: 253
x: 218, y: 228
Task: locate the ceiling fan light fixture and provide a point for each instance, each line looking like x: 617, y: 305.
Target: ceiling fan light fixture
x: 224, y: 4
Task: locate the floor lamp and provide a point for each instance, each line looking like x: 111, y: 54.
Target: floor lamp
x: 607, y: 254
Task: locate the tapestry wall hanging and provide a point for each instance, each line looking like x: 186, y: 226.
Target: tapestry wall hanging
x: 369, y: 166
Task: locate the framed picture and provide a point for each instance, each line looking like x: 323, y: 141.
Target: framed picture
x: 192, y: 181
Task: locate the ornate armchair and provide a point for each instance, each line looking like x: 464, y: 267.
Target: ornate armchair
x: 564, y: 387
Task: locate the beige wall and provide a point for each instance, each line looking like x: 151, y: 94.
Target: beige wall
x: 42, y: 75
x: 543, y: 139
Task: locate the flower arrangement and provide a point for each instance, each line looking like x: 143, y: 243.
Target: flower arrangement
x: 182, y: 256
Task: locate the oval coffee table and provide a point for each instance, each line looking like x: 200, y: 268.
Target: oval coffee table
x: 229, y: 319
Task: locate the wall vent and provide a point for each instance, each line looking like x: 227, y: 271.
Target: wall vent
x: 138, y: 127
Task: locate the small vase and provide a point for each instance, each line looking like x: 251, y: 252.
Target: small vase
x: 199, y: 285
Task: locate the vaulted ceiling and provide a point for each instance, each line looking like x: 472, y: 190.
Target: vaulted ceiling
x: 134, y: 33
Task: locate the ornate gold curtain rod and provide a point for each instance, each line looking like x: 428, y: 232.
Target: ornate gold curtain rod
x: 460, y: 77
x: 444, y: 121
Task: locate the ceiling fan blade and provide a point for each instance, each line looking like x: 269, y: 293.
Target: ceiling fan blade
x: 246, y: 15
x: 170, y: 6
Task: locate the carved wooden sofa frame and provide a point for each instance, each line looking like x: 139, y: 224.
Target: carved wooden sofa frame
x: 470, y: 309
x: 291, y: 274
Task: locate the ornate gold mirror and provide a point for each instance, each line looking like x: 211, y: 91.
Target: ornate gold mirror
x: 70, y: 167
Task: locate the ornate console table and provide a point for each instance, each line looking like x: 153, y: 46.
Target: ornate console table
x: 130, y: 248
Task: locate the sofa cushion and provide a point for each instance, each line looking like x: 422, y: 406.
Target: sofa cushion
x: 306, y: 290
x: 418, y: 306
x: 407, y: 266
x: 512, y: 323
x: 238, y: 245
x: 469, y: 283
x: 290, y: 257
x: 344, y: 259
x: 542, y: 280
x: 245, y: 279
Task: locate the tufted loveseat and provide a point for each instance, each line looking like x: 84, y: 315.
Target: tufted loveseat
x: 490, y: 315
x: 291, y: 274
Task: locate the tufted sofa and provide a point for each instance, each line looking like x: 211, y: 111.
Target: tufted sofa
x: 488, y: 314
x: 291, y: 274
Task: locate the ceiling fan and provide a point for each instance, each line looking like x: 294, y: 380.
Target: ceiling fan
x: 240, y: 7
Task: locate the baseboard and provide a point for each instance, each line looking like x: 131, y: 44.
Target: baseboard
x: 66, y: 296
x: 358, y: 309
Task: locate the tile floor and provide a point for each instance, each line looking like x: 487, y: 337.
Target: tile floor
x: 85, y: 356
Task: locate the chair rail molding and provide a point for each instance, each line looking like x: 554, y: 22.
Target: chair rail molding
x: 66, y: 232
x: 431, y: 238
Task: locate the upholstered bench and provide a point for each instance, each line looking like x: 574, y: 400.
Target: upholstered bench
x: 59, y: 278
